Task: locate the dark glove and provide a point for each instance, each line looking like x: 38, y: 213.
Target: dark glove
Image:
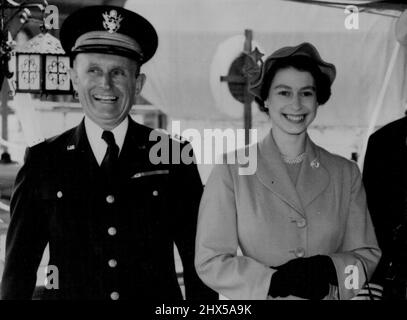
x: 307, y: 278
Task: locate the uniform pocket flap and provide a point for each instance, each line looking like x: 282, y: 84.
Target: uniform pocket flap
x: 149, y: 173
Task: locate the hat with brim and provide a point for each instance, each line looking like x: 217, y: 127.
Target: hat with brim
x: 305, y: 49
x: 111, y: 30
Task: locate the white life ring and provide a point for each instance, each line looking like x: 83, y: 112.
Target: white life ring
x: 225, y: 54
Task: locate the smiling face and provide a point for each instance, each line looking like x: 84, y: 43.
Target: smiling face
x: 292, y: 101
x: 107, y: 86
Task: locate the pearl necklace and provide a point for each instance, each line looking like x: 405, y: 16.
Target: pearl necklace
x: 296, y: 160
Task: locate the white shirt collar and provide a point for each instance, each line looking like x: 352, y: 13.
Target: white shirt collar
x: 98, y: 145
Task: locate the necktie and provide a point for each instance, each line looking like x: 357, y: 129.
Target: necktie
x: 111, y: 156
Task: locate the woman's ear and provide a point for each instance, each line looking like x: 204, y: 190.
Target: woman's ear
x: 267, y: 104
x: 266, y: 107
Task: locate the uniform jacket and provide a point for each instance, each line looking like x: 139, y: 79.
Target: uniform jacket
x: 385, y: 179
x: 272, y: 222
x: 61, y: 198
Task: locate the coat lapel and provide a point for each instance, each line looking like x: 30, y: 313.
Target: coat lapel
x: 313, y: 178
x: 271, y: 171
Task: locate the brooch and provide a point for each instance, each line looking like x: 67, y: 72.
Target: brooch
x: 315, y: 164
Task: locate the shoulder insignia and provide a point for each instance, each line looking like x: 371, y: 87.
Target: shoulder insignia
x: 161, y: 130
x: 178, y: 138
x: 173, y: 136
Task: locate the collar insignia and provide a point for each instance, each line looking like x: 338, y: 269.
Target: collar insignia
x: 112, y: 21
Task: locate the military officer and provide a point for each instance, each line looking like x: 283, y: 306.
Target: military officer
x: 385, y: 179
x: 110, y: 216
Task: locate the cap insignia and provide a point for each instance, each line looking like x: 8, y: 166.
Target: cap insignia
x: 112, y: 21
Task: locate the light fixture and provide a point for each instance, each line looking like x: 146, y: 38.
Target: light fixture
x: 41, y: 66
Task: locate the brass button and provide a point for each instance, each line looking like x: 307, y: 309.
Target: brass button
x: 299, y: 252
x: 112, y: 231
x: 301, y: 223
x: 155, y: 193
x: 59, y: 194
x: 110, y: 199
x: 114, y: 295
x: 112, y: 263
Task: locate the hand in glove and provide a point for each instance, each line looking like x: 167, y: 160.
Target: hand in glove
x: 307, y: 278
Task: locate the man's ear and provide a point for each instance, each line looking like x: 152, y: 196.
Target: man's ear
x: 74, y: 77
x: 141, y: 79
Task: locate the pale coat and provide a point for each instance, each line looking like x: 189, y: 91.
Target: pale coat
x: 271, y: 221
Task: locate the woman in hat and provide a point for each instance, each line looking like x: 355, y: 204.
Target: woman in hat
x: 300, y: 223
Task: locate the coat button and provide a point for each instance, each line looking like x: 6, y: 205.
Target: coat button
x: 112, y: 231
x: 112, y: 263
x: 299, y: 252
x: 155, y: 193
x: 110, y: 199
x: 301, y: 223
x: 59, y: 194
x: 114, y: 295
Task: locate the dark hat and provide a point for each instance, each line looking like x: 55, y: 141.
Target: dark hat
x: 109, y: 29
x: 304, y: 49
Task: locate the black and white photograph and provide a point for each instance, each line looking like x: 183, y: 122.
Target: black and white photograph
x: 201, y: 155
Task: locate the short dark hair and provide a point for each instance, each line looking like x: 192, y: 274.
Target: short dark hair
x: 300, y: 63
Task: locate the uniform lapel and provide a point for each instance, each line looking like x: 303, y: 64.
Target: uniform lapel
x: 79, y: 156
x: 272, y: 172
x: 134, y: 154
x: 313, y: 178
